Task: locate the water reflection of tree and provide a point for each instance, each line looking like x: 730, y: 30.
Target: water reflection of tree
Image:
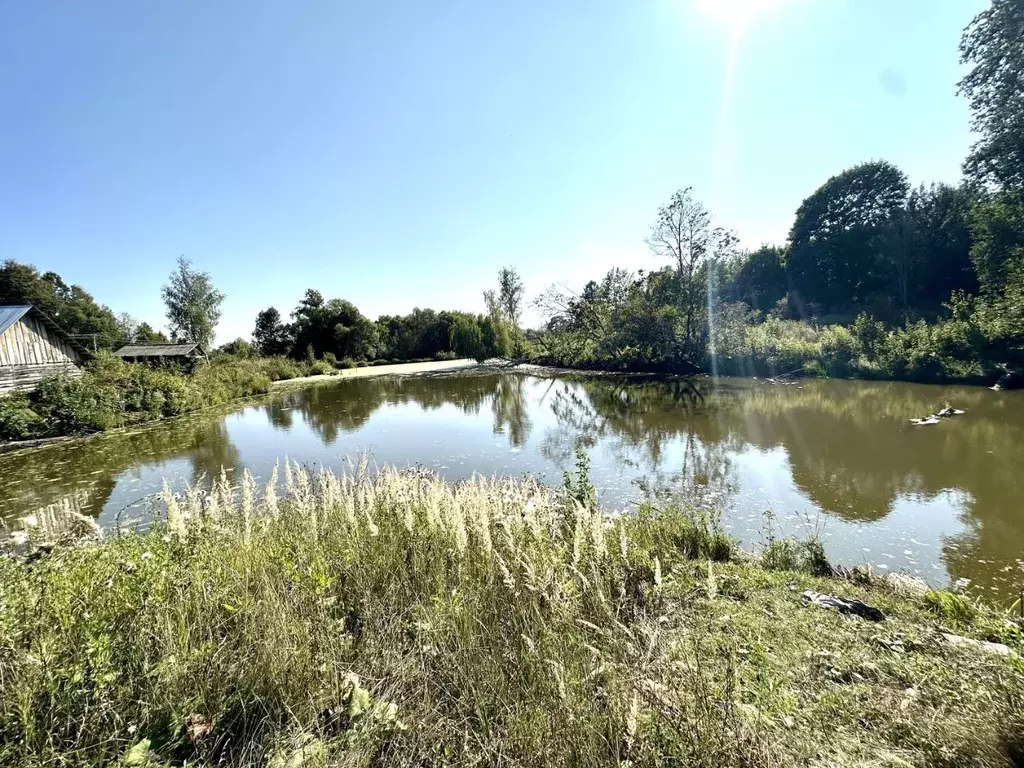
x: 213, y: 452
x: 279, y: 414
x: 347, y: 407
x: 86, y: 472
x: 850, y: 447
x: 638, y: 420
x: 511, y: 415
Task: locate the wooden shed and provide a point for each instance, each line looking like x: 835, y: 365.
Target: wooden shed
x: 180, y: 354
x: 32, y: 347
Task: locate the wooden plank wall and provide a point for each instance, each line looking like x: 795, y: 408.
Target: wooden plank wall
x: 14, y: 377
x: 29, y: 351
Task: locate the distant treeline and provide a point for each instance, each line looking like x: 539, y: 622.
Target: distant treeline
x: 335, y: 330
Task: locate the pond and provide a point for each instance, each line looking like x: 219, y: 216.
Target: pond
x: 837, y: 458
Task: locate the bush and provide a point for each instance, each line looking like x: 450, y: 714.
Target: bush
x: 280, y: 368
x: 783, y: 346
x: 869, y: 333
x: 838, y: 350
x: 112, y: 393
x: 17, y: 419
x: 321, y: 368
x: 807, y: 556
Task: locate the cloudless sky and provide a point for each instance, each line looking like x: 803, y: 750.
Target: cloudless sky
x: 396, y: 154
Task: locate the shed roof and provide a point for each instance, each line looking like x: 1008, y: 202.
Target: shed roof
x: 12, y: 313
x: 157, y: 350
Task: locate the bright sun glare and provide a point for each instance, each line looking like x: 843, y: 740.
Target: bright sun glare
x: 735, y: 13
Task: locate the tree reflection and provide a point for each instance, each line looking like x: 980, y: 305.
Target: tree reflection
x: 83, y: 474
x: 328, y: 411
x: 510, y: 412
x: 850, y: 448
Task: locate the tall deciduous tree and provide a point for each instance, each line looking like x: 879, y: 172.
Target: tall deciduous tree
x: 836, y: 243
x: 683, y: 234
x: 942, y: 242
x: 760, y: 279
x: 271, y: 336
x: 899, y: 250
x: 334, y: 326
x: 993, y: 46
x: 145, y: 334
x: 510, y: 294
x: 193, y: 304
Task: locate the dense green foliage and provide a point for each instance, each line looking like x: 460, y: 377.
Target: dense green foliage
x: 400, y: 620
x: 992, y: 46
x: 335, y: 329
x: 835, y: 254
x: 70, y: 306
x: 112, y: 393
x: 193, y: 304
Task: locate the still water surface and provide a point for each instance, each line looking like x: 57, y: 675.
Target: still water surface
x: 836, y: 457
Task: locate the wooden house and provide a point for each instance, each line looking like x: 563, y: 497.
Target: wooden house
x: 184, y: 355
x: 32, y: 347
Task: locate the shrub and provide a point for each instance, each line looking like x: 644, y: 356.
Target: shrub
x: 112, y: 393
x: 280, y: 368
x: 838, y: 350
x: 869, y: 333
x: 321, y: 368
x: 17, y: 419
x: 783, y: 346
x: 807, y: 556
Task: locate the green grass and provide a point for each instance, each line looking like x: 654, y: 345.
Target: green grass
x: 397, y: 619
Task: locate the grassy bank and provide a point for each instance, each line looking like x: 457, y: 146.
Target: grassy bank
x: 401, y: 620
x: 948, y: 350
x: 951, y: 350
x: 112, y: 393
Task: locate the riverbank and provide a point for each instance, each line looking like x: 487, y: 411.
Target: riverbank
x: 947, y: 351
x: 378, y: 370
x: 402, y: 620
x: 113, y: 394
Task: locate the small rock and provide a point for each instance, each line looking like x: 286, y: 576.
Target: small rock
x: 981, y: 645
x: 905, y: 585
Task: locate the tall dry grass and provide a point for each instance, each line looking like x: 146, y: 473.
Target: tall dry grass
x: 390, y: 618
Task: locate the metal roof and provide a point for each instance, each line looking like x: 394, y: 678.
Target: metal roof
x: 156, y: 350
x: 11, y: 314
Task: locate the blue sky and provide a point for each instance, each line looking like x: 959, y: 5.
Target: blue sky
x: 398, y: 153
